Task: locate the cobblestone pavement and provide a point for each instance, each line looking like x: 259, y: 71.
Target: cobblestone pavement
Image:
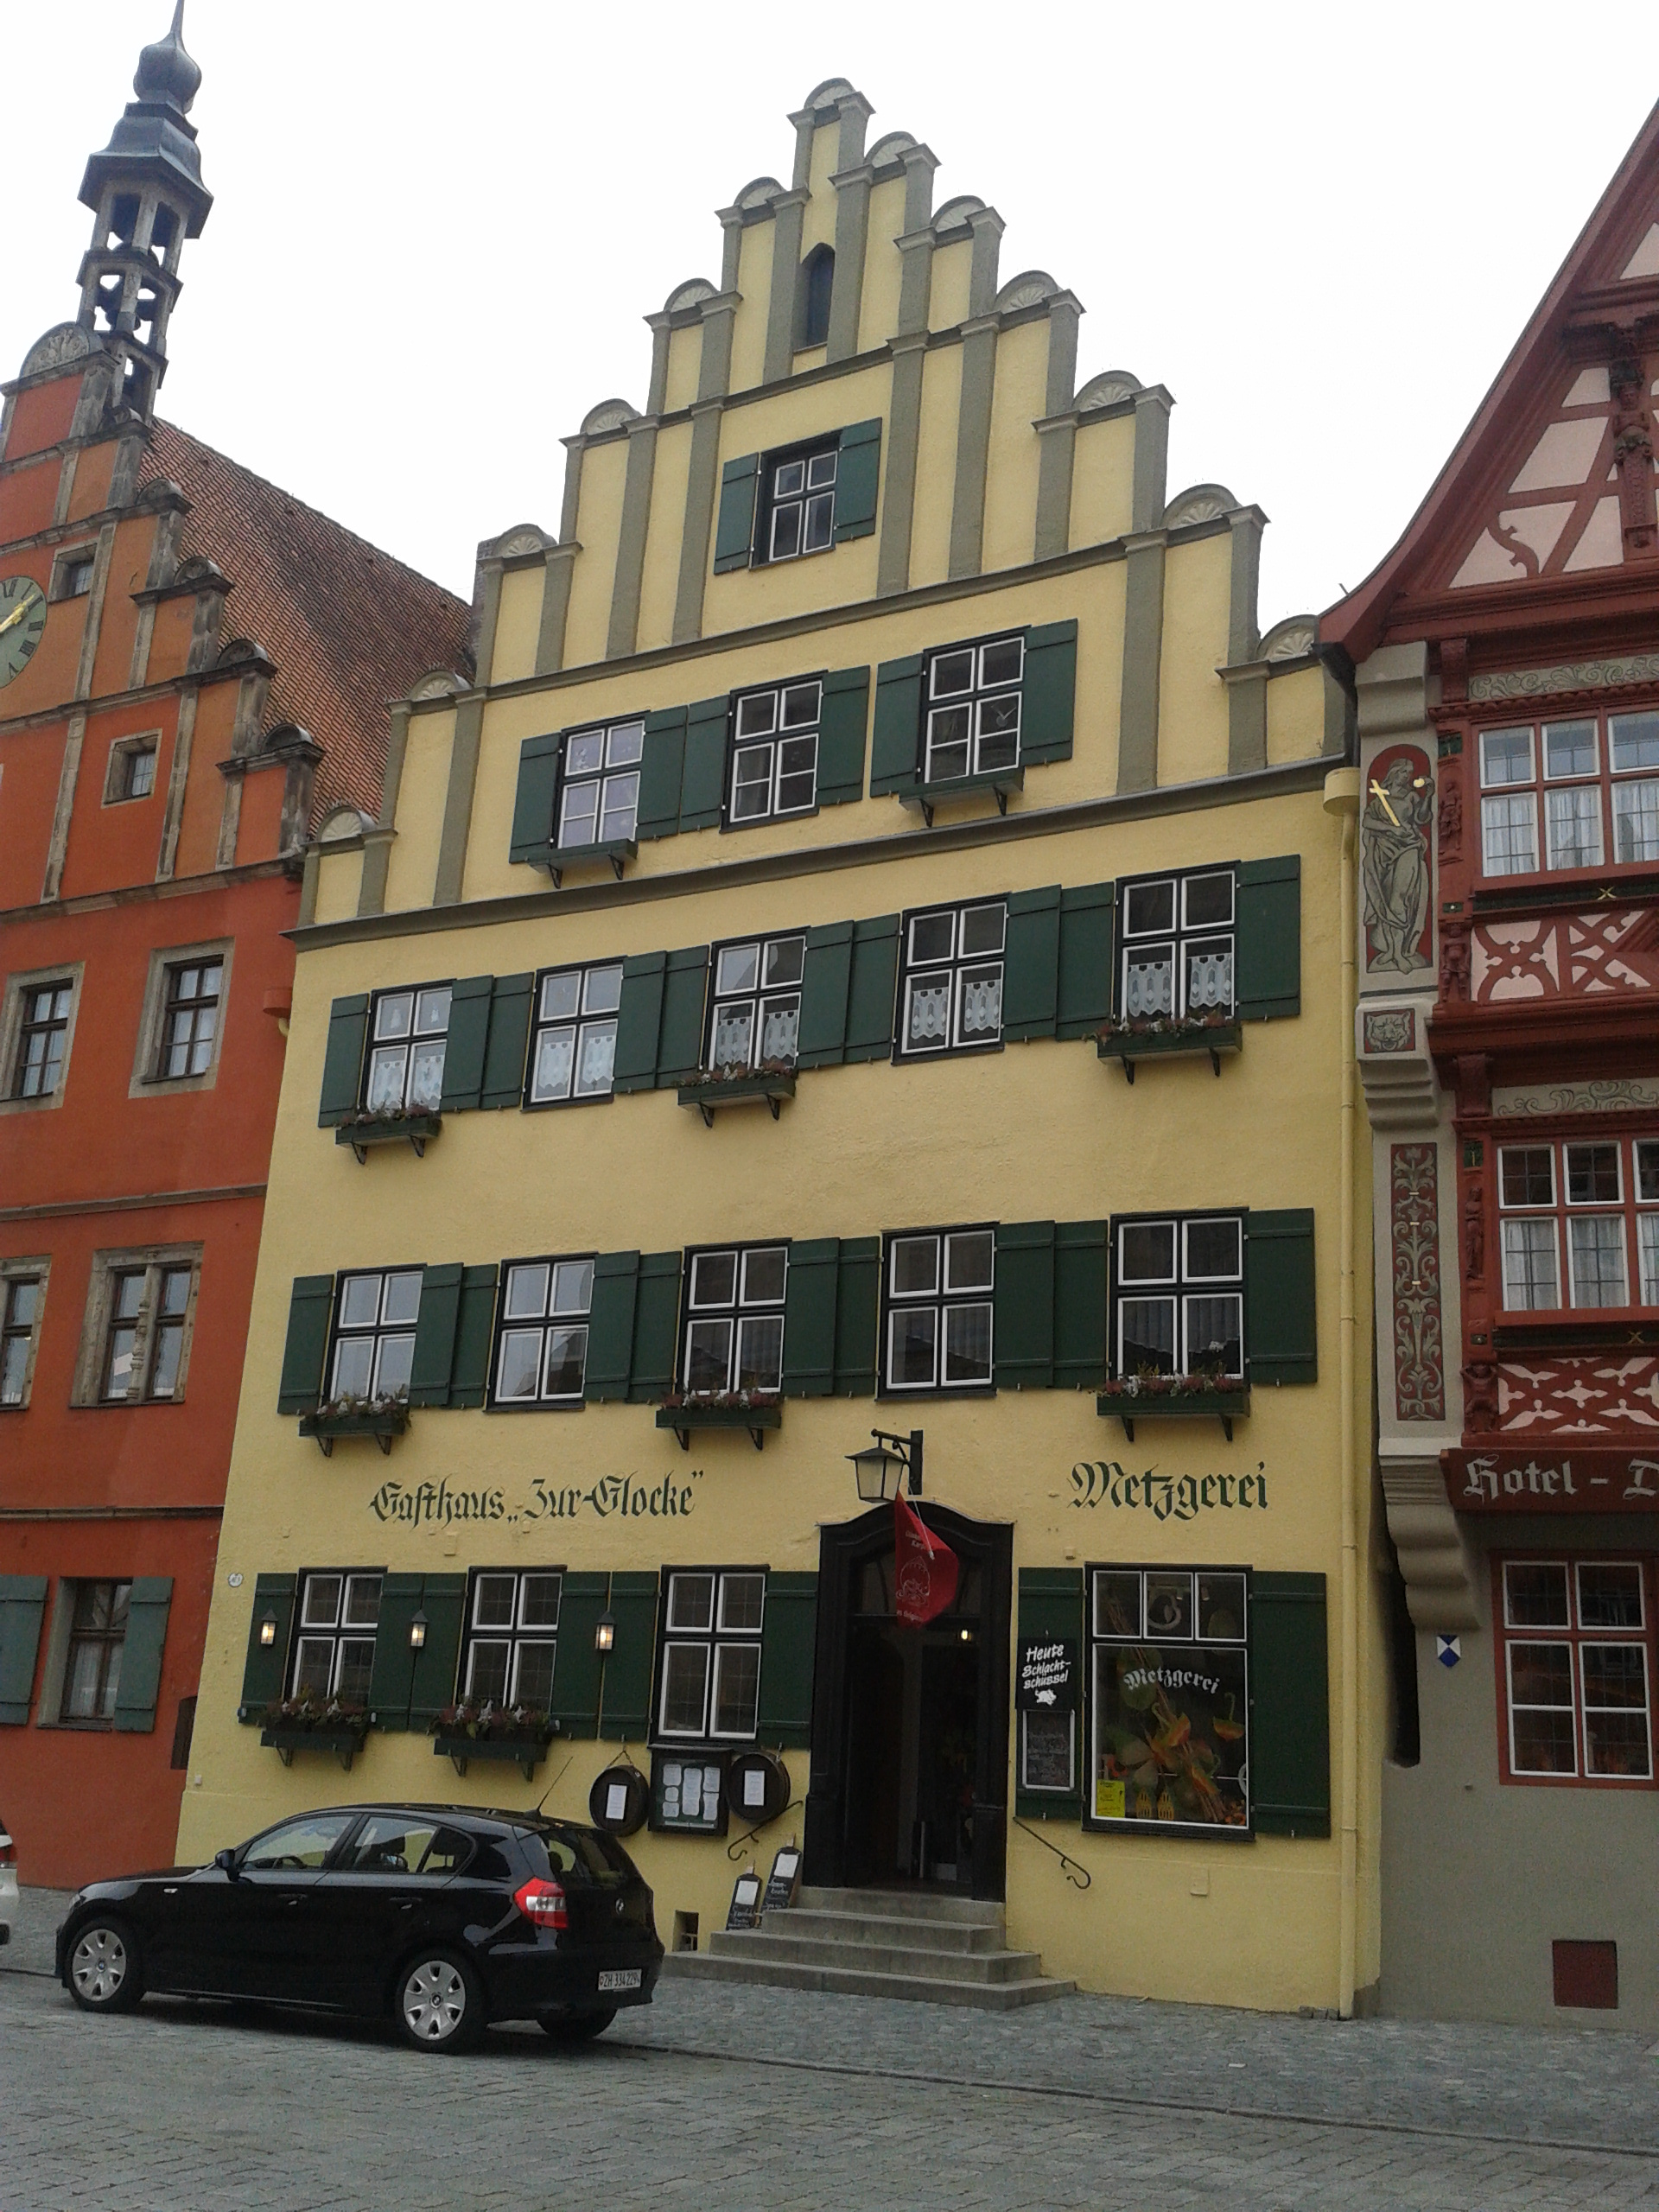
x: 797, y: 2103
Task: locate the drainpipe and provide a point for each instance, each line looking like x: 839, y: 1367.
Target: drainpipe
x: 1342, y: 798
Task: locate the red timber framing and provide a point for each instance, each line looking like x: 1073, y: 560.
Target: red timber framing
x: 193, y: 680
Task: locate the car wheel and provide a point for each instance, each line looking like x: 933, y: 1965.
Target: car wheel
x: 439, y: 2003
x: 575, y: 2027
x: 105, y: 1974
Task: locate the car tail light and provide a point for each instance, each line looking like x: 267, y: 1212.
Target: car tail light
x: 542, y: 1904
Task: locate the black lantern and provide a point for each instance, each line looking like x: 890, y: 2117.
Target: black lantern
x: 881, y: 1464
x: 605, y: 1631
x: 267, y: 1628
x: 417, y: 1633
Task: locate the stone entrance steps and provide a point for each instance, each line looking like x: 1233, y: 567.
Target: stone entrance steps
x: 915, y: 1944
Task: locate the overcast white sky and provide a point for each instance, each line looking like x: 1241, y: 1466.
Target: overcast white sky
x: 437, y: 228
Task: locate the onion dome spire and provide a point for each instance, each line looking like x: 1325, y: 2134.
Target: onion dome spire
x: 167, y: 75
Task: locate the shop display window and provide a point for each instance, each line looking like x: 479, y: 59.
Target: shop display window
x: 1169, y: 1698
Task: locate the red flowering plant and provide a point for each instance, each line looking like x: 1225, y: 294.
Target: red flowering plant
x: 1162, y: 1024
x: 484, y: 1721
x: 309, y: 1712
x: 721, y: 1401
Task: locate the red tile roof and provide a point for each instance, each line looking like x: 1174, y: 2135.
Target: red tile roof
x: 348, y: 627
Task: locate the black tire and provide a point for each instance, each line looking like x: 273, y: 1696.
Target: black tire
x: 106, y: 1966
x: 437, y: 2002
x: 575, y: 2027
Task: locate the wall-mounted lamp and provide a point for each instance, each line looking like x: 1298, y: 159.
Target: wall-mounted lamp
x: 605, y: 1631
x: 267, y: 1629
x: 417, y: 1633
x: 879, y: 1465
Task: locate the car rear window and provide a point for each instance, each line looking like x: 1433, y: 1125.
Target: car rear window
x: 584, y: 1854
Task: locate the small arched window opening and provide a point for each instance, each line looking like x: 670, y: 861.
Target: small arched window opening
x: 817, y: 281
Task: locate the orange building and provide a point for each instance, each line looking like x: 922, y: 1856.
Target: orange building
x: 192, y: 673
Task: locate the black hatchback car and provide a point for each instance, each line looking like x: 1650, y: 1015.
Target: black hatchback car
x: 444, y: 1917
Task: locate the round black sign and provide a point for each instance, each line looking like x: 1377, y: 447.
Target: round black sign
x: 619, y: 1801
x: 757, y: 1787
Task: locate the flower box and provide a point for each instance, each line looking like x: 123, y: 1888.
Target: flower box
x: 381, y: 1422
x: 524, y: 1751
x: 1213, y: 1040
x: 724, y: 1411
x: 300, y: 1723
x: 748, y: 1087
x: 999, y: 781
x: 343, y: 1743
x: 365, y: 1130
x: 616, y: 851
x: 1175, y: 1398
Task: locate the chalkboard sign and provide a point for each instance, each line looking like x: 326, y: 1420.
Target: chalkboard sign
x: 746, y: 1902
x: 1047, y: 1752
x: 784, y: 1884
x: 1048, y: 1681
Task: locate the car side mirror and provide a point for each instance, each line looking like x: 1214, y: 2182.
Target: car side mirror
x: 226, y: 1862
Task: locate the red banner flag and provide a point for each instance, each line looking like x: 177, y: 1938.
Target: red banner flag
x: 925, y: 1576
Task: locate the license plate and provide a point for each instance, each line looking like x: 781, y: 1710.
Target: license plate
x: 620, y: 1978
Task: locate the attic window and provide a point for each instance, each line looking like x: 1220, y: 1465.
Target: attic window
x: 817, y: 281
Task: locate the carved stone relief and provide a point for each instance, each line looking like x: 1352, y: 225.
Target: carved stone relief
x: 1418, y: 1350
x: 1396, y: 861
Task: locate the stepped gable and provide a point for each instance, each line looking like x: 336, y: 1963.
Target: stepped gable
x: 347, y: 627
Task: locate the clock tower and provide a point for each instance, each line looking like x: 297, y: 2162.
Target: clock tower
x: 147, y: 196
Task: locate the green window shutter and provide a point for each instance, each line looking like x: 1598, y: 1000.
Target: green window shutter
x: 22, y: 1602
x: 1079, y: 1305
x: 470, y: 1375
x: 262, y: 1676
x: 624, y: 1697
x: 840, y: 736
x: 1270, y: 938
x: 1031, y: 967
x: 1048, y: 694
x: 1085, y: 987
x: 1290, y: 1716
x: 896, y: 739
x: 824, y: 980
x: 574, y: 1702
x: 436, y: 1323
x: 788, y: 1645
x: 735, y: 530
x: 702, y: 785
x: 1280, y: 1327
x: 810, y: 1318
x: 532, y: 805
x: 873, y: 987
x: 1050, y: 1612
x: 858, y: 480
x: 432, y: 1682
x: 504, y: 1061
x: 662, y: 763
x: 308, y: 1307
x: 141, y: 1655
x: 342, y: 1063
x: 639, y: 1022
x: 466, y: 1043
x: 1024, y: 1306
x: 679, y: 1043
x: 392, y: 1680
x: 656, y: 1324
x: 610, y: 1324
x: 858, y: 1316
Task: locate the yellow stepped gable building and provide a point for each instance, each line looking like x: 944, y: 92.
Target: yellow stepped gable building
x: 871, y: 952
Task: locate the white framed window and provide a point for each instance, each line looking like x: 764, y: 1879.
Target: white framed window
x: 800, y: 503
x: 1574, y: 1655
x: 375, y: 1315
x: 708, y: 1673
x: 1178, y: 946
x: 23, y: 1302
x: 408, y: 1030
x: 733, y: 1336
x: 973, y: 709
x: 1580, y: 1219
x: 1589, y: 785
x: 938, y: 1291
x: 775, y: 751
x: 333, y: 1640
x: 541, y: 1355
x: 950, y: 984
x: 512, y: 1626
x: 573, y: 1054
x: 755, y: 1017
x: 599, y: 784
x: 1177, y: 1295
x: 1633, y: 743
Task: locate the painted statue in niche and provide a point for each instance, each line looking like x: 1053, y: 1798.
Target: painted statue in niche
x: 1396, y: 864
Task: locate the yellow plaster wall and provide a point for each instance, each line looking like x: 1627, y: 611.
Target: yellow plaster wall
x: 952, y: 267
x: 826, y: 148
x: 685, y: 361
x: 936, y: 465
x: 878, y: 316
x: 749, y: 323
x: 412, y: 868
x: 1011, y: 474
x: 1295, y: 716
x: 339, y: 881
x: 599, y: 519
x: 664, y: 534
x: 1103, y: 481
x: 1192, y: 700
x: 518, y: 625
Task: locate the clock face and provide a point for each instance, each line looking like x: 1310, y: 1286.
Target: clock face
x: 22, y: 624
